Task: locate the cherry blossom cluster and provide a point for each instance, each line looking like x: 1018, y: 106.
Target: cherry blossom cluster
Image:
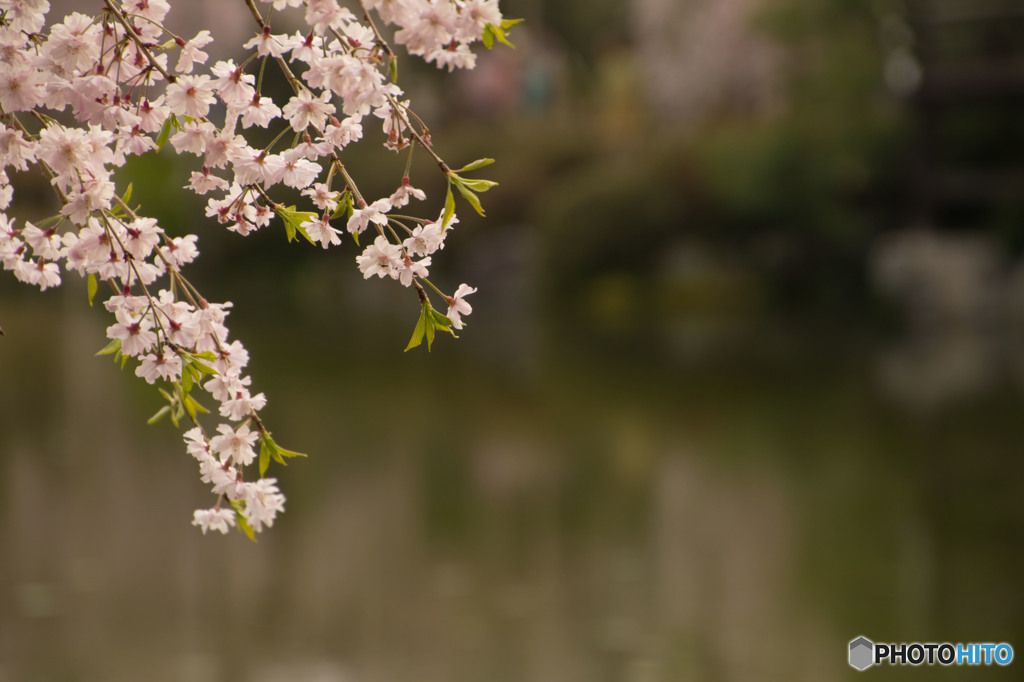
x: 79, y: 97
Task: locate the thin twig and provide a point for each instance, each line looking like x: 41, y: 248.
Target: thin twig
x: 120, y: 16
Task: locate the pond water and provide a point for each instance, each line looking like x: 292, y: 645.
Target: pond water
x: 527, y: 504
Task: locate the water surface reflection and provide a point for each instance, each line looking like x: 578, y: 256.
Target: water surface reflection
x: 593, y: 515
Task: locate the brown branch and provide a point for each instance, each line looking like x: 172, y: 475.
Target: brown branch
x: 120, y: 16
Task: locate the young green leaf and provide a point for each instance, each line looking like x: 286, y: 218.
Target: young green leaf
x: 449, y: 205
x: 492, y: 33
x: 479, y: 163
x: 161, y: 413
x: 290, y: 453
x: 303, y: 231
x: 293, y: 221
x: 202, y: 367
x: 429, y: 327
x: 441, y: 321
x: 420, y: 330
x: 285, y: 212
x: 113, y: 347
x: 429, y: 323
x: 478, y: 185
x: 270, y: 450
x: 192, y: 406
x: 266, y: 448
x: 240, y: 521
x: 344, y: 206
x: 280, y: 451
x: 92, y: 286
x: 165, y: 132
x: 468, y: 195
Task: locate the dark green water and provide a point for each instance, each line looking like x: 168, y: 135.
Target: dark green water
x: 532, y: 503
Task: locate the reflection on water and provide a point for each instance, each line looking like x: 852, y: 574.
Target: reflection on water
x: 594, y: 515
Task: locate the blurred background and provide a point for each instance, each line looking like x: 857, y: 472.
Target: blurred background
x: 743, y: 379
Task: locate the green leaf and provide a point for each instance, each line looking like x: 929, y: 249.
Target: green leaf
x: 441, y: 321
x: 393, y: 68
x: 203, y: 368
x: 290, y: 453
x: 344, y: 206
x: 421, y: 328
x: 205, y: 355
x: 113, y: 347
x: 305, y: 234
x: 193, y: 406
x: 449, y: 205
x: 165, y: 132
x: 269, y: 450
x: 161, y: 413
x: 190, y: 406
x: 265, y: 452
x: 293, y: 221
x: 92, y: 285
x: 289, y: 226
x: 188, y: 378
x: 429, y: 327
x: 468, y: 195
x: 127, y: 194
x: 479, y: 163
x: 509, y: 23
x: 240, y: 521
x: 492, y: 33
x: 500, y: 35
x: 478, y: 185
x: 429, y: 323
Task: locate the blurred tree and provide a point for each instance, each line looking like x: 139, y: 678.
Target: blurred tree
x: 794, y: 191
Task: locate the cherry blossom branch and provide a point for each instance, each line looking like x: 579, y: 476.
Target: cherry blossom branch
x: 289, y: 75
x: 119, y: 14
x: 376, y: 32
x: 401, y: 111
x: 119, y: 108
x: 349, y: 182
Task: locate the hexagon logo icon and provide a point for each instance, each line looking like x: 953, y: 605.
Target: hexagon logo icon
x: 862, y: 653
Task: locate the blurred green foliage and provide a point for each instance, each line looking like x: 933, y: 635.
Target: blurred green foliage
x: 793, y: 195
